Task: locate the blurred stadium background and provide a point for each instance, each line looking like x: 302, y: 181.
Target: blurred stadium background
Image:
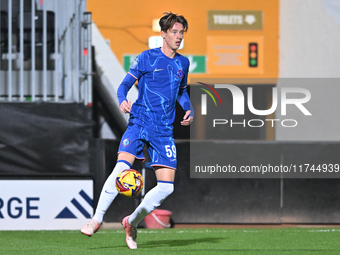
x: 60, y: 125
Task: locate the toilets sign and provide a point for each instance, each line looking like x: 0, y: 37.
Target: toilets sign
x: 235, y: 20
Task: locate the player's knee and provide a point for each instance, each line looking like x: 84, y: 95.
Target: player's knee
x: 165, y: 189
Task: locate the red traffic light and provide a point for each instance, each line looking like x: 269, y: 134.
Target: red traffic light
x: 253, y: 47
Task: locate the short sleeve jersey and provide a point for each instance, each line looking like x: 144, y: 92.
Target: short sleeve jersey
x: 159, y: 80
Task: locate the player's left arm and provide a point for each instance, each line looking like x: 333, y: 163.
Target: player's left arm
x: 184, y: 100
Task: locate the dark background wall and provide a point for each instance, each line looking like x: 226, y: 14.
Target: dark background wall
x: 44, y: 139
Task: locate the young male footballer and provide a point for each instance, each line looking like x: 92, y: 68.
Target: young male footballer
x: 162, y: 79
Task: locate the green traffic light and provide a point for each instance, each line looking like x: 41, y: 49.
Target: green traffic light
x: 253, y: 62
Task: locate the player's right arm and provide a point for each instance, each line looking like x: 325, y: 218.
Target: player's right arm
x: 134, y: 74
x: 123, y: 89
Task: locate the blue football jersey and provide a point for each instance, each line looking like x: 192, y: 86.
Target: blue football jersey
x: 161, y: 80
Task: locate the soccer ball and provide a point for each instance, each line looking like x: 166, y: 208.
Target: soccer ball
x: 129, y: 183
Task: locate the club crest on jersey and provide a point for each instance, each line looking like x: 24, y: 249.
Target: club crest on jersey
x: 180, y: 74
x: 126, y: 142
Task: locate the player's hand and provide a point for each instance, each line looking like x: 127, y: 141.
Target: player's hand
x: 125, y: 106
x: 187, y: 119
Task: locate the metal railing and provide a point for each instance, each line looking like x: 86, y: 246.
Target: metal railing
x: 45, y: 51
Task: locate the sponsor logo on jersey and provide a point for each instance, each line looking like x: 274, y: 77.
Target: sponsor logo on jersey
x: 157, y: 70
x: 135, y: 63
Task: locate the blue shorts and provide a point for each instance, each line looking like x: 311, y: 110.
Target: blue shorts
x: 161, y: 147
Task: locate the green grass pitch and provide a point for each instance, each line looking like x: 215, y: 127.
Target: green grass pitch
x: 176, y: 241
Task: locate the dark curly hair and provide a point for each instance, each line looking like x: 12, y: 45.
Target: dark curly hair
x: 169, y: 19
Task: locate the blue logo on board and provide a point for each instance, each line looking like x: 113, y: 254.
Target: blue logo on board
x: 66, y: 213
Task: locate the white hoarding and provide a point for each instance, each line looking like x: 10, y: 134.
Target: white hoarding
x: 45, y: 204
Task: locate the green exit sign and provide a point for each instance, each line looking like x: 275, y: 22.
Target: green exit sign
x: 128, y: 60
x: 197, y: 62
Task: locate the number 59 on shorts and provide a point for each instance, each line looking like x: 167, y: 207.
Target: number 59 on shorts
x: 170, y: 151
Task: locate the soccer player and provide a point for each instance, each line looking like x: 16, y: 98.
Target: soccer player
x: 162, y: 79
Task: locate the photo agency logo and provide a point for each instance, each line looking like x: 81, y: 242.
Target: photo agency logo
x: 281, y: 98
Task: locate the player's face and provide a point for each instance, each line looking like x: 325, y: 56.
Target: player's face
x: 173, y: 37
